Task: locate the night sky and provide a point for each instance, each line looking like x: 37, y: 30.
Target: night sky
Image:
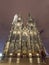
x: 39, y: 10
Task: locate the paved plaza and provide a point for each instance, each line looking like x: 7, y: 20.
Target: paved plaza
x: 24, y: 61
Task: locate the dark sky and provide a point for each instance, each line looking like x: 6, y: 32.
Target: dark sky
x: 39, y: 9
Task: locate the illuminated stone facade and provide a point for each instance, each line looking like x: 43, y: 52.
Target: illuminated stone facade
x: 24, y: 38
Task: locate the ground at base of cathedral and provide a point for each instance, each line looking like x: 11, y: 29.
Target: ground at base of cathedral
x: 25, y: 61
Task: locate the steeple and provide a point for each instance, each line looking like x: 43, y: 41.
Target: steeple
x: 30, y: 20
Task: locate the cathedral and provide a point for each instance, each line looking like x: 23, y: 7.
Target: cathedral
x: 24, y: 39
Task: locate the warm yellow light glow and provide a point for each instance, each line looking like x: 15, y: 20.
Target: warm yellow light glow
x: 18, y: 60
x: 18, y: 32
x: 31, y: 33
x: 31, y: 24
x: 11, y: 54
x: 30, y: 59
x: 19, y: 18
x: 37, y: 54
x: 18, y: 54
x: 18, y: 24
x: 30, y: 54
x: 14, y: 32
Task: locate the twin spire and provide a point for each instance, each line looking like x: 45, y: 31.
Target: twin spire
x: 18, y: 18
